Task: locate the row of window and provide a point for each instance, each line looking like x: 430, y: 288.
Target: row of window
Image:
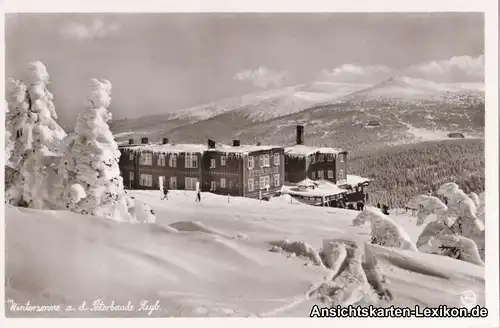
x: 264, y: 160
x: 146, y: 180
x: 320, y: 174
x: 322, y: 158
x: 263, y: 182
x: 192, y: 160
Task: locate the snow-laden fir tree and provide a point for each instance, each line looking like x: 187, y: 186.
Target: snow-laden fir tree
x: 16, y: 117
x: 38, y: 140
x: 91, y: 180
x: 9, y: 145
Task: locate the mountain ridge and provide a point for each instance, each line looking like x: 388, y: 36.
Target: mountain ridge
x: 402, y: 105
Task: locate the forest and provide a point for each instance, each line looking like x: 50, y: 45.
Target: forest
x: 403, y: 171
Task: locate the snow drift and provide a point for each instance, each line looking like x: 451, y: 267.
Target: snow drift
x: 193, y: 273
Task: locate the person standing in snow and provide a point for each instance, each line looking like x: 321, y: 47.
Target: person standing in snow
x: 198, y: 196
x: 165, y: 193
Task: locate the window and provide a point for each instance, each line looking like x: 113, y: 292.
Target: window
x: 266, y: 160
x: 341, y: 174
x: 230, y: 184
x: 213, y: 186
x: 222, y: 182
x: 321, y: 157
x: 130, y: 156
x: 286, y: 159
x: 250, y: 162
x: 172, y: 161
x: 146, y: 180
x: 131, y: 176
x: 329, y: 157
x: 320, y: 174
x: 276, y: 159
x: 191, y: 161
x: 250, y: 185
x: 223, y: 161
x: 267, y: 181
x: 161, y: 160
x: 261, y: 160
x: 190, y: 183
x: 212, y: 163
x: 264, y: 182
x: 313, y: 175
x: 146, y: 159
x: 341, y: 157
x: 173, y: 183
x: 277, y: 180
x: 330, y: 174
x: 313, y: 158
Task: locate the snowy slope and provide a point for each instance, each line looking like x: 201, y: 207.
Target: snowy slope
x: 207, y: 259
x: 241, y: 111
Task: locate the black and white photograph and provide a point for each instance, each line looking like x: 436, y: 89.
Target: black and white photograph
x: 249, y: 165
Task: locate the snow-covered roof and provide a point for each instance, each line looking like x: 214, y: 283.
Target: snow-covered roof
x: 243, y: 149
x: 354, y: 181
x: 307, y: 183
x: 197, y: 148
x: 302, y: 150
x: 323, y: 188
x: 168, y: 148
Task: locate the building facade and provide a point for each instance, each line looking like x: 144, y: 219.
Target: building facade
x: 180, y: 166
x: 237, y: 170
x: 315, y: 163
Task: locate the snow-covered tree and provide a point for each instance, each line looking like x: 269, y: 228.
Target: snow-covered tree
x: 454, y: 230
x: 384, y: 230
x: 16, y: 118
x: 38, y: 138
x: 91, y: 180
x: 465, y: 207
x: 9, y: 145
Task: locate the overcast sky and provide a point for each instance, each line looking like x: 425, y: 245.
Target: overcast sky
x: 167, y: 62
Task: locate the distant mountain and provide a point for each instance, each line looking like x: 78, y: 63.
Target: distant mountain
x: 234, y: 113
x: 404, y: 110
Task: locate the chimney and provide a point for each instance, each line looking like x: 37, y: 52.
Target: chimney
x: 300, y: 135
x: 130, y: 141
x: 144, y: 140
x: 236, y: 143
x: 211, y: 144
x: 165, y: 141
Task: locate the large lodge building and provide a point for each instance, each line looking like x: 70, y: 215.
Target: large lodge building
x: 256, y: 171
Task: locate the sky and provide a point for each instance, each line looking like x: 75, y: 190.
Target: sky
x: 170, y: 61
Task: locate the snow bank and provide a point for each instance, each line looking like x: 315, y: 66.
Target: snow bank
x: 196, y: 274
x: 299, y: 248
